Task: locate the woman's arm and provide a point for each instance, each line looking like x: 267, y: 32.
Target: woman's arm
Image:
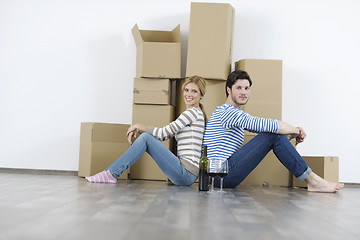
x: 186, y: 118
x: 134, y: 130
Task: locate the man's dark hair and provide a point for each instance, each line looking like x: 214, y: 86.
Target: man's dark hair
x: 235, y: 75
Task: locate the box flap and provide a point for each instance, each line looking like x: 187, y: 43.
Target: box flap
x: 156, y: 36
x: 176, y: 34
x: 137, y: 35
x: 141, y: 36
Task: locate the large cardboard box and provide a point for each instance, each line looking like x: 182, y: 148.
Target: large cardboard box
x: 158, y: 53
x: 266, y: 91
x: 270, y: 171
x: 326, y: 167
x: 157, y: 116
x: 210, y: 40
x: 100, y: 145
x: 152, y: 91
x: 214, y: 96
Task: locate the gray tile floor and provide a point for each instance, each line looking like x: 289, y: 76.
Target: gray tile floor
x: 67, y: 207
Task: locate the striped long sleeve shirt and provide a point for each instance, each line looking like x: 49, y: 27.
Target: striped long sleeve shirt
x: 188, y: 130
x: 224, y: 132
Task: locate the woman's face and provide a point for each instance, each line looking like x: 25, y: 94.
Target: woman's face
x: 192, y: 95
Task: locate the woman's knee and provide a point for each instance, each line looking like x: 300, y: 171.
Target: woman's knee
x: 144, y: 136
x: 184, y: 180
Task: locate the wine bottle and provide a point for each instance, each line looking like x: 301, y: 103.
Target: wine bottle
x: 203, y: 174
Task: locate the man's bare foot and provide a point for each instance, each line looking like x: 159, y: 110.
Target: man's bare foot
x: 318, y: 184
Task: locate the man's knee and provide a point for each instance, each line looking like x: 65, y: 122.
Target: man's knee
x: 273, y: 135
x: 268, y: 135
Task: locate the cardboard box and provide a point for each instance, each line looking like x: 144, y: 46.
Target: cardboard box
x: 147, y: 169
x: 158, y: 53
x: 325, y: 166
x: 214, y: 96
x: 210, y: 40
x: 152, y: 91
x: 266, y: 92
x: 157, y: 116
x: 100, y: 145
x: 270, y: 170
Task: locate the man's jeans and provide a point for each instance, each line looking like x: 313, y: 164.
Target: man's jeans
x: 243, y: 161
x: 164, y: 158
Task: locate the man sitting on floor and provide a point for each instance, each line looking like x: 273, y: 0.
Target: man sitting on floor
x: 224, y: 136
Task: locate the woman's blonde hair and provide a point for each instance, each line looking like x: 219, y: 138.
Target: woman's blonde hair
x: 201, y: 83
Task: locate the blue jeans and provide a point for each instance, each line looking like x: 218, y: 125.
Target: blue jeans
x: 164, y: 158
x: 243, y: 161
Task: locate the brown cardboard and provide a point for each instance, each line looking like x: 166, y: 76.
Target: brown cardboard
x: 100, y: 145
x: 210, y: 40
x: 157, y: 116
x: 214, y: 96
x: 152, y: 91
x: 158, y: 53
x: 266, y: 92
x: 270, y: 170
x: 326, y: 167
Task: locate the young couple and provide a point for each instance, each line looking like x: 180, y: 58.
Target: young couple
x: 224, y: 136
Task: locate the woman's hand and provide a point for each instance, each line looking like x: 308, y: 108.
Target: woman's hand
x: 132, y: 132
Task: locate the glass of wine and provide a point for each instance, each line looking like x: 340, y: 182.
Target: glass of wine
x: 212, y: 169
x: 222, y: 172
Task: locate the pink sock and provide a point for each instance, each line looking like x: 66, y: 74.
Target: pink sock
x: 102, y: 177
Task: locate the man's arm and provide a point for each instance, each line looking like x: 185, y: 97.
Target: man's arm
x: 287, y: 129
x: 294, y: 132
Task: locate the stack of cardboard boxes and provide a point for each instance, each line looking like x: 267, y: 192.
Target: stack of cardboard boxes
x: 158, y: 61
x: 209, y: 51
x: 210, y: 56
x: 265, y: 101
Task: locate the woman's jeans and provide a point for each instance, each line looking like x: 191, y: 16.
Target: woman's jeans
x: 243, y: 161
x: 164, y: 158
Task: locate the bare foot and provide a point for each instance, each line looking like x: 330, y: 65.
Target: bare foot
x: 318, y: 184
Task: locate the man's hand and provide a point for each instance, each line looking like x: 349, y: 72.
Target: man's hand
x: 302, y: 135
x: 299, y: 136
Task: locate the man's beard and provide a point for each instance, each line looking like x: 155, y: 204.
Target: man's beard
x: 235, y: 100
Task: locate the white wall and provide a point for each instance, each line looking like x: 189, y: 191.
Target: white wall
x: 66, y: 62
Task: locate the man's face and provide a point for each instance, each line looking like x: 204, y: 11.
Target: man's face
x: 240, y: 92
